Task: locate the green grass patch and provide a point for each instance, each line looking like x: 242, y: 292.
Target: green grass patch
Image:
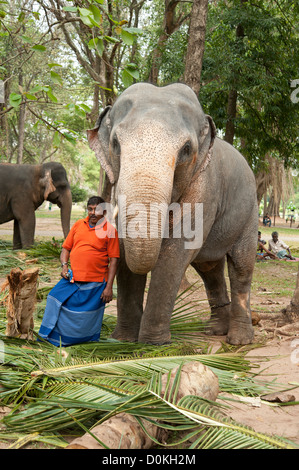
x: 77, y: 213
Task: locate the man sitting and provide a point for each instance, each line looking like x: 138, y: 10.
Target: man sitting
x: 262, y: 251
x: 267, y: 220
x: 75, y: 306
x: 279, y: 248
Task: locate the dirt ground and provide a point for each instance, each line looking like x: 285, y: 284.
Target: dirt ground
x: 276, y: 352
x: 283, y: 367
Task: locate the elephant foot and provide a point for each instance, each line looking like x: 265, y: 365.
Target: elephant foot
x: 124, y: 336
x: 158, y: 340
x: 154, y: 343
x: 219, y: 322
x: 240, y: 333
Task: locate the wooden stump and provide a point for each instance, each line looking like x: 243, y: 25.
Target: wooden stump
x: 21, y: 302
x: 122, y: 431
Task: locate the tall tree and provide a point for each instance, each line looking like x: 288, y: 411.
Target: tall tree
x: 173, y: 18
x: 233, y: 92
x: 249, y: 65
x: 196, y: 44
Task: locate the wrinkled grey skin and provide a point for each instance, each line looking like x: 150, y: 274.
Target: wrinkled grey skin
x: 157, y: 145
x: 23, y: 188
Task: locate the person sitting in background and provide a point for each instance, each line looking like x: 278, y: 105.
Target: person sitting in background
x: 267, y: 220
x: 262, y: 252
x: 75, y: 306
x: 259, y: 238
x: 279, y: 248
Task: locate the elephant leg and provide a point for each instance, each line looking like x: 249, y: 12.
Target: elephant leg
x: 17, y: 243
x: 165, y: 282
x: 24, y: 227
x: 130, y: 294
x: 240, y: 274
x: 241, y: 261
x: 216, y: 290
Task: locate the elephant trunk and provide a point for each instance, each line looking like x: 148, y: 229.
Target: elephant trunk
x: 145, y: 183
x: 142, y: 215
x: 65, y: 211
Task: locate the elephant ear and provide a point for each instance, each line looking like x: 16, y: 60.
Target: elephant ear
x: 206, y: 141
x: 98, y: 139
x: 47, y: 184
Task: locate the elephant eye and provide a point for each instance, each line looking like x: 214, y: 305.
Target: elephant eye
x: 185, y: 152
x: 115, y: 145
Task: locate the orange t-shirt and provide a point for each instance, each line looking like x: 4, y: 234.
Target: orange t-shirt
x: 90, y: 249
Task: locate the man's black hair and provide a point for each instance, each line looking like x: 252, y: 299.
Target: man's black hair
x: 95, y: 200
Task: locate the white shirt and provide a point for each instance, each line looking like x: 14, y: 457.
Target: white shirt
x: 278, y: 246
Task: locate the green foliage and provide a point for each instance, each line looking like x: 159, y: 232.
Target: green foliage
x: 259, y: 64
x: 78, y: 194
x: 59, y: 393
x: 90, y: 170
x: 44, y: 79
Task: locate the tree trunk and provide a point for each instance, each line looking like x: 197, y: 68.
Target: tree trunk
x: 171, y: 23
x: 122, y: 431
x: 292, y: 310
x: 157, y: 54
x: 295, y: 299
x: 265, y: 203
x: 95, y: 111
x: 274, y: 203
x: 261, y: 187
x: 231, y: 116
x: 196, y: 44
x: 4, y: 125
x: 21, y: 127
x: 233, y: 96
x: 21, y: 302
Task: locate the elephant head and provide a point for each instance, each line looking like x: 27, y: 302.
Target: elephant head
x: 151, y: 144
x: 54, y: 187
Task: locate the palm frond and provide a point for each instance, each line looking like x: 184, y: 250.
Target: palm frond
x: 20, y: 440
x: 49, y: 393
x: 103, y: 399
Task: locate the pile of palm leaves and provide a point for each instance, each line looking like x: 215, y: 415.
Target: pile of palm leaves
x: 54, y: 394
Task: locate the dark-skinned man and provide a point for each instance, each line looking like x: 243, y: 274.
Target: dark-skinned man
x: 75, y: 306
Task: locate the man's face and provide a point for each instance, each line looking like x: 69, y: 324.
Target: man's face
x: 95, y: 213
x: 275, y: 238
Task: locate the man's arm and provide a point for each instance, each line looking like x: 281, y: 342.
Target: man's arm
x: 289, y: 251
x: 287, y: 248
x: 108, y: 291
x: 268, y: 252
x: 64, y: 258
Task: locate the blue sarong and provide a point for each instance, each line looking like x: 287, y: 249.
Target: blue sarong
x: 74, y: 313
x: 282, y: 254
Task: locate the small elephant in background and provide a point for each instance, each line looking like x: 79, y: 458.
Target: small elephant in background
x: 23, y: 188
x: 159, y: 148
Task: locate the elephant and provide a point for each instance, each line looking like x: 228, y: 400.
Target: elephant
x: 157, y: 146
x: 23, y: 188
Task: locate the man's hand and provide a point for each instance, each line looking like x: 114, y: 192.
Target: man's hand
x: 107, y: 294
x: 64, y: 271
x: 64, y: 257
